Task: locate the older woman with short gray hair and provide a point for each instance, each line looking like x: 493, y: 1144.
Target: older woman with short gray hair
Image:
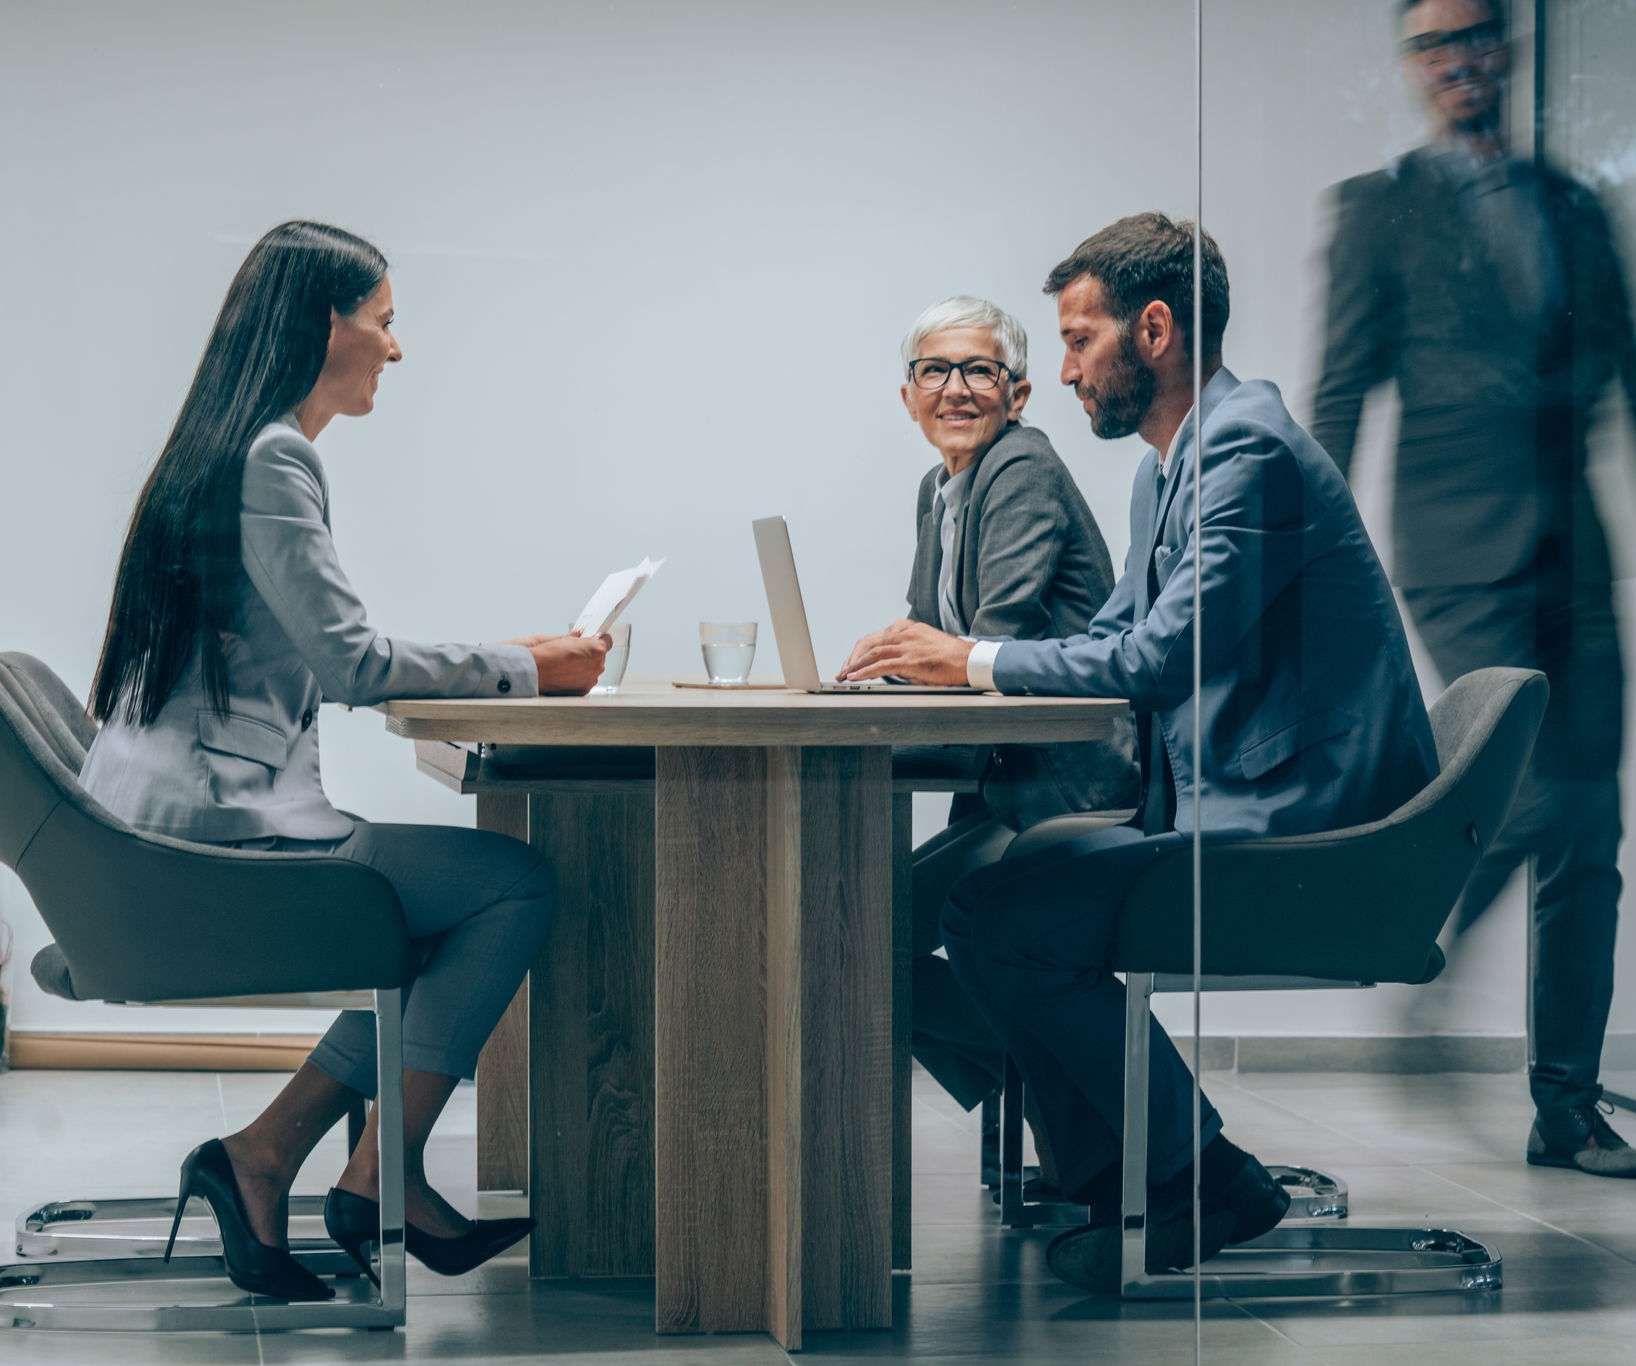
x: 1005, y: 546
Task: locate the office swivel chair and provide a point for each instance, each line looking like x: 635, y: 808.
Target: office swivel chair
x: 144, y: 919
x: 1345, y: 908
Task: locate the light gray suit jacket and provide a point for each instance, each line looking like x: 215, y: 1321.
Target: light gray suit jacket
x: 301, y: 637
x: 1312, y: 717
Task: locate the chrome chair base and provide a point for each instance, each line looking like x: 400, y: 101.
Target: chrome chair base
x: 191, y: 1293
x: 1333, y: 1261
x: 140, y: 1227
x: 1321, y: 1258
x: 1312, y: 1194
x: 114, y: 1279
x: 1015, y: 1211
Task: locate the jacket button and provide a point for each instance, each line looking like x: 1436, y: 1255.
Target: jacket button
x: 504, y: 684
x: 306, y: 718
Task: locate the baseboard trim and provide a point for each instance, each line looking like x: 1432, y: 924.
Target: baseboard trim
x: 1404, y: 1054
x: 1401, y: 1054
x: 161, y: 1052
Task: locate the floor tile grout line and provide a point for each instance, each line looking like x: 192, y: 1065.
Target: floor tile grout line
x: 1533, y: 1218
x: 1329, y: 1128
x: 1269, y: 1325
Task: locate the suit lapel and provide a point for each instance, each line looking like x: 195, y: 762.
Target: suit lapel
x: 1222, y: 383
x: 966, y: 520
x: 930, y: 565
x: 1145, y: 528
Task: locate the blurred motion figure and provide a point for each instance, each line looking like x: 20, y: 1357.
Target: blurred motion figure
x: 1488, y: 288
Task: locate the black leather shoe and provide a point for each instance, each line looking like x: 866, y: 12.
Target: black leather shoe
x: 1089, y: 1257
x: 251, y: 1265
x: 1235, y: 1184
x: 1238, y: 1200
x: 1579, y: 1138
x: 354, y: 1222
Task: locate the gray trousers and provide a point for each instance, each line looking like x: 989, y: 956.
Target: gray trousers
x: 477, y: 906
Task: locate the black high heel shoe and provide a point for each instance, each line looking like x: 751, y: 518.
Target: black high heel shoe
x: 354, y: 1222
x: 251, y: 1265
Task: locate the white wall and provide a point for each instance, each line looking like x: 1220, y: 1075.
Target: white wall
x: 652, y: 261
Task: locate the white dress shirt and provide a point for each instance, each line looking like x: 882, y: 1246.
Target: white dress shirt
x: 951, y: 498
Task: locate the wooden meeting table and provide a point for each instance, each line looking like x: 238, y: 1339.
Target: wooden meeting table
x: 717, y: 1078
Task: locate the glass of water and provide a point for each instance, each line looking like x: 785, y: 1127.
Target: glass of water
x: 619, y: 653
x: 728, y: 648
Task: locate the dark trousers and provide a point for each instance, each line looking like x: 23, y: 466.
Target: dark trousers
x: 1566, y: 814
x: 1029, y: 940
x: 950, y: 1039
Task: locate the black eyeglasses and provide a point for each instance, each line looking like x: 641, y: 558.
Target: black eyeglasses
x: 934, y: 372
x: 1478, y: 40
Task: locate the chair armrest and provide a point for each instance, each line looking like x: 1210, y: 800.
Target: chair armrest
x: 143, y: 918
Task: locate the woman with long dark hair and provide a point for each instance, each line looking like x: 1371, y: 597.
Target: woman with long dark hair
x: 231, y: 622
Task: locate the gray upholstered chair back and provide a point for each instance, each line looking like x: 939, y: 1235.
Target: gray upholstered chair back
x: 62, y: 718
x: 1363, y: 904
x: 140, y: 917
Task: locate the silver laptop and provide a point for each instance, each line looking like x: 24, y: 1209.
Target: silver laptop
x: 790, y: 620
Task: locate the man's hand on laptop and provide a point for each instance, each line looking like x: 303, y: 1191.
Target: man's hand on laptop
x: 909, y: 650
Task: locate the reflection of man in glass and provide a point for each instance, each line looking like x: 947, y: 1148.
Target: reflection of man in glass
x: 1488, y: 288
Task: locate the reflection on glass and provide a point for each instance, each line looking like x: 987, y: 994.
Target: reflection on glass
x: 1456, y: 179
x: 1487, y: 287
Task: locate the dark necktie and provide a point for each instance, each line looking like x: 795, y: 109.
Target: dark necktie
x: 1156, y: 797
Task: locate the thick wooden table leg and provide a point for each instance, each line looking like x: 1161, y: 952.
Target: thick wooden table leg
x: 590, y: 1040
x: 902, y: 1029
x: 502, y: 1067
x: 774, y: 1040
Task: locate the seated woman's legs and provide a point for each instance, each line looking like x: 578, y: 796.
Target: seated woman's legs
x: 477, y: 905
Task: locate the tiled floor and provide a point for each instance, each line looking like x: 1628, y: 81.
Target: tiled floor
x: 1440, y: 1150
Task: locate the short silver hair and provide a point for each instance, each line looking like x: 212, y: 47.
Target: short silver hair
x: 964, y: 311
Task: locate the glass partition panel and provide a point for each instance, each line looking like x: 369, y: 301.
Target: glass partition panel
x: 1424, y: 207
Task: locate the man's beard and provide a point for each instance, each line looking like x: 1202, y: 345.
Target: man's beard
x: 1119, y: 405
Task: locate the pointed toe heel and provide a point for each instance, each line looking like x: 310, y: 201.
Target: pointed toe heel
x: 485, y: 1239
x: 251, y: 1265
x: 354, y: 1223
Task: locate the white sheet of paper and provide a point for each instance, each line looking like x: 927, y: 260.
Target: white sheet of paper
x: 613, y: 597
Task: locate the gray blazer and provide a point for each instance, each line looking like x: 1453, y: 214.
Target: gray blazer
x: 1491, y: 449
x: 1312, y: 718
x: 1030, y: 564
x: 302, y: 638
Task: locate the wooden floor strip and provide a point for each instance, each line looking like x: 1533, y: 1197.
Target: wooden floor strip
x: 162, y: 1052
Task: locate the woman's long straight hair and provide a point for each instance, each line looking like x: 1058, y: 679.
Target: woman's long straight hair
x: 175, y: 591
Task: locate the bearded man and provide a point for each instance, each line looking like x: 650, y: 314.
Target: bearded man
x: 1311, y: 721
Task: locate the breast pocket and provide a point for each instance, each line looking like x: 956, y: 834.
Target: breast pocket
x: 1262, y: 756
x: 243, y: 737
x: 1164, y: 563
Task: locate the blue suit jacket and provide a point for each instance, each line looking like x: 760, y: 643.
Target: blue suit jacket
x: 1312, y: 717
